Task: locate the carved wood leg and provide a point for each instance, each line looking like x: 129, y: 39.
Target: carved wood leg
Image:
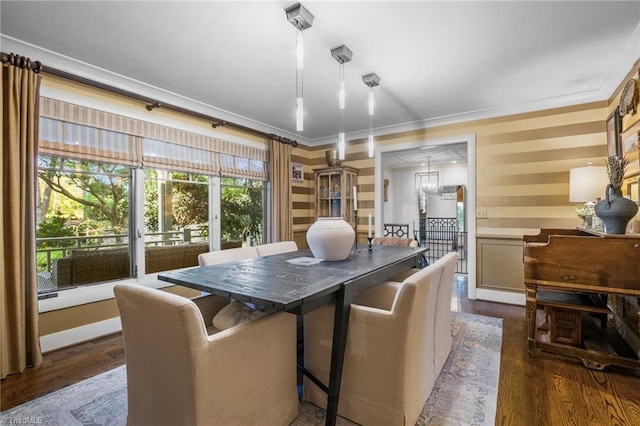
x: 638, y: 316
x: 531, y: 319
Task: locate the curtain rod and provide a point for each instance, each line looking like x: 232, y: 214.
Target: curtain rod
x: 152, y: 104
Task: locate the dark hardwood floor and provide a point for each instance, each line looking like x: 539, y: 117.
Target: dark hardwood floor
x: 546, y: 390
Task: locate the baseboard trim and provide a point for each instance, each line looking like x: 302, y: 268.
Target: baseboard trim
x: 509, y: 297
x: 73, y: 336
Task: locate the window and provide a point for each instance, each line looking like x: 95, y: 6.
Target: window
x: 117, y: 206
x: 242, y: 208
x: 83, y: 217
x: 176, y: 219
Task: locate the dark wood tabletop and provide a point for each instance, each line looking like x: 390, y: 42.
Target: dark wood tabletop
x: 273, y: 282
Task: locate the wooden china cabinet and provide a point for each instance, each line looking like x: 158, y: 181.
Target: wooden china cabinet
x: 334, y: 192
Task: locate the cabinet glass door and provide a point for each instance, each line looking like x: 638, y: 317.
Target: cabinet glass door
x: 334, y: 193
x: 330, y: 195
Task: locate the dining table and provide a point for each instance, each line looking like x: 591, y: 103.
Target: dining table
x: 296, y: 282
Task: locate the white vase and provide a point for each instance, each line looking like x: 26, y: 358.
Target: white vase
x: 330, y: 238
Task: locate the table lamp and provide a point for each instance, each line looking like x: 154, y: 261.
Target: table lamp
x: 586, y: 185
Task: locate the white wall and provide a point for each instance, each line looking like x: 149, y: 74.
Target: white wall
x: 402, y: 206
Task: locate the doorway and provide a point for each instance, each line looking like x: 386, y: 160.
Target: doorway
x: 470, y: 195
x: 442, y: 223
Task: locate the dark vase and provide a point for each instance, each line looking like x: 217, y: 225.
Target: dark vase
x: 615, y: 211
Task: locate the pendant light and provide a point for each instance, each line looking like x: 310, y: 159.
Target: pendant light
x: 431, y: 186
x: 371, y: 80
x: 342, y: 54
x: 302, y: 19
x: 427, y: 183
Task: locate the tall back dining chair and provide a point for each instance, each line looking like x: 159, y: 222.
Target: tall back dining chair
x: 230, y: 255
x: 389, y: 367
x: 277, y: 248
x: 178, y: 374
x: 395, y: 242
x: 443, y: 339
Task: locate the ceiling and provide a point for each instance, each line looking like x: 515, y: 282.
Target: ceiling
x: 435, y: 155
x: 439, y: 62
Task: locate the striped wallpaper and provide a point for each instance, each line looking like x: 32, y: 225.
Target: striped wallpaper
x: 522, y: 165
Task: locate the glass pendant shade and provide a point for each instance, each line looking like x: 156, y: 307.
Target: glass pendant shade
x: 342, y: 55
x: 341, y: 146
x: 341, y: 106
x: 301, y: 19
x: 299, y: 71
x: 371, y: 80
x: 370, y: 145
x: 299, y: 50
x: 299, y: 115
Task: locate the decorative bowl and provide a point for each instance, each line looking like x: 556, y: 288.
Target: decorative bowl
x: 332, y: 158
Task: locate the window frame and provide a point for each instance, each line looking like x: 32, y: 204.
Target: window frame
x: 91, y: 293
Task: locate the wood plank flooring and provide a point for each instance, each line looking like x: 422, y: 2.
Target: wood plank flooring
x: 546, y: 390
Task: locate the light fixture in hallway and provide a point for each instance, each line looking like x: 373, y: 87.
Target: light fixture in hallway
x: 427, y: 183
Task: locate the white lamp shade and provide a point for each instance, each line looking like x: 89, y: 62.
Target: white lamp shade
x: 587, y: 183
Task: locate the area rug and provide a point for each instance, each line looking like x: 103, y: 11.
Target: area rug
x: 464, y: 394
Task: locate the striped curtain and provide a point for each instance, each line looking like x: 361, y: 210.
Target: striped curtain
x: 166, y: 155
x: 19, y: 340
x: 234, y: 166
x: 281, y: 199
x: 61, y: 138
x: 85, y: 133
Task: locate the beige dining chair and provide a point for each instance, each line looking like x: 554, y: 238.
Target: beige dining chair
x: 277, y: 248
x: 397, y: 242
x: 225, y: 256
x: 179, y: 374
x: 389, y: 360
x: 394, y: 242
x: 443, y: 339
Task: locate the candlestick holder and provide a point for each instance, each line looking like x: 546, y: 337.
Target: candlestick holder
x: 355, y: 221
x: 370, y: 239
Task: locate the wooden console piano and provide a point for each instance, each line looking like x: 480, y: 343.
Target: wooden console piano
x: 573, y: 274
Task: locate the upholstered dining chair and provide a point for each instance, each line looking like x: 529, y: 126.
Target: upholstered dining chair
x: 229, y: 255
x: 395, y: 242
x: 178, y: 373
x: 277, y: 248
x: 389, y: 366
x: 443, y: 339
